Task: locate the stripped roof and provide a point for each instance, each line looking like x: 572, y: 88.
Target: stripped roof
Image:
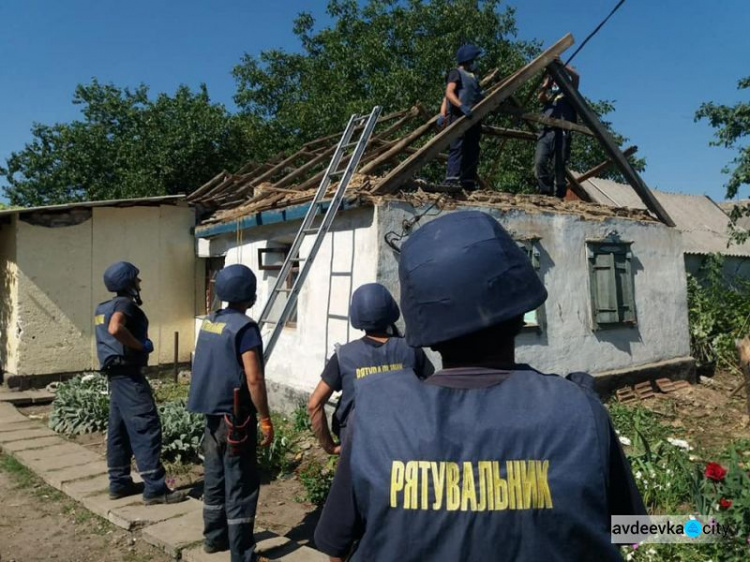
x: 137, y: 201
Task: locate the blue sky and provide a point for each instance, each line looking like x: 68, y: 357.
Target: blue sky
x: 657, y: 59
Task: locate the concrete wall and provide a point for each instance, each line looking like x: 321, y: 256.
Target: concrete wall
x: 8, y: 297
x: 569, y: 343
x: 350, y: 250
x: 60, y: 283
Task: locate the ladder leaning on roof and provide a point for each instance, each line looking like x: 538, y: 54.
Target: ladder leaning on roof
x: 307, y: 228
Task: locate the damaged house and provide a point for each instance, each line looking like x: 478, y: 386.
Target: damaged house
x: 616, y: 278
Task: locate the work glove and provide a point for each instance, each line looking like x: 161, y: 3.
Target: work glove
x: 466, y: 110
x: 266, y: 428
x: 148, y: 346
x: 440, y: 121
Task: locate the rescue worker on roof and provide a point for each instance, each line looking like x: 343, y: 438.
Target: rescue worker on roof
x: 553, y: 143
x: 487, y: 459
x: 134, y: 428
x: 462, y: 92
x: 228, y: 386
x: 373, y: 310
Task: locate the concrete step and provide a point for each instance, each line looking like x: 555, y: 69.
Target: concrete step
x: 56, y: 478
x: 8, y: 413
x: 25, y: 397
x: 100, y: 503
x: 28, y: 444
x: 25, y: 434
x: 174, y: 535
x: 134, y: 516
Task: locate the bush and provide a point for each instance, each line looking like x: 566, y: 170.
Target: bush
x: 316, y: 477
x: 301, y: 418
x: 182, y: 432
x: 719, y: 313
x: 278, y: 456
x: 81, y: 405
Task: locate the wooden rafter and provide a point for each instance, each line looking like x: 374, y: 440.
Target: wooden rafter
x: 588, y: 116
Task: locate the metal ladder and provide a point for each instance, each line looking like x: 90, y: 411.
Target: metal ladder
x: 307, y: 228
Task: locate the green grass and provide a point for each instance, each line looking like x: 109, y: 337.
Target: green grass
x: 169, y: 391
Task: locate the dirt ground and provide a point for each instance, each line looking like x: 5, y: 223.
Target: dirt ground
x: 280, y: 507
x: 39, y: 524
x: 705, y: 413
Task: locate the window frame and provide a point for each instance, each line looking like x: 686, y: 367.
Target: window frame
x: 293, y: 272
x: 529, y: 245
x: 621, y: 269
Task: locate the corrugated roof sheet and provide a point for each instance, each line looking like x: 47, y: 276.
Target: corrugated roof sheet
x: 705, y: 226
x: 167, y: 199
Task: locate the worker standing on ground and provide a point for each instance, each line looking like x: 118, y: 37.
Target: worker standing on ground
x: 374, y: 310
x: 462, y: 92
x: 487, y: 459
x: 553, y: 143
x: 134, y: 428
x: 228, y: 386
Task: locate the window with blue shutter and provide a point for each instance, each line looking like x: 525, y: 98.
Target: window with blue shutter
x: 611, y: 279
x: 534, y: 319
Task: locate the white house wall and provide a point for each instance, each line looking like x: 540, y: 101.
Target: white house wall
x: 8, y: 297
x: 349, y: 251
x: 568, y: 342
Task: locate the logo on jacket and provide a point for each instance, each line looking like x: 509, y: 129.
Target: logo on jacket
x: 362, y: 372
x: 99, y: 319
x: 213, y: 327
x: 470, y: 486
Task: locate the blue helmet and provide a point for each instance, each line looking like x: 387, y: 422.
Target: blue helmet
x: 373, y: 308
x: 467, y: 53
x: 120, y: 277
x: 236, y: 283
x: 461, y: 273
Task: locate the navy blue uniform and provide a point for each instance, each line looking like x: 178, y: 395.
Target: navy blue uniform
x: 478, y: 464
x: 463, y: 156
x: 232, y: 482
x: 553, y: 146
x: 134, y: 428
x: 364, y: 356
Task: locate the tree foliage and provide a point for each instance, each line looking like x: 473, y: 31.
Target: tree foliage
x: 732, y: 124
x: 127, y: 145
x: 393, y: 53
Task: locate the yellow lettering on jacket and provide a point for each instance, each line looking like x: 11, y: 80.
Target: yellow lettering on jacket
x: 362, y: 372
x: 213, y: 327
x: 99, y: 319
x: 487, y: 485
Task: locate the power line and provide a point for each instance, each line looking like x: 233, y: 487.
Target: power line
x: 598, y: 27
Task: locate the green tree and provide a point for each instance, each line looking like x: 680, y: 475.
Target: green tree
x: 732, y: 124
x: 393, y: 53
x: 127, y: 145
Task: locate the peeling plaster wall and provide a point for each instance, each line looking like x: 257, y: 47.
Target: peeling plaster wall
x: 8, y: 297
x: 568, y: 342
x: 60, y: 283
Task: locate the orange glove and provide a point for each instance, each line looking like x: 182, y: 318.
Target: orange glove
x: 266, y: 427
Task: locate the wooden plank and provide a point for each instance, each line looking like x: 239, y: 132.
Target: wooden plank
x: 544, y: 120
x: 508, y: 133
x: 575, y: 186
x: 604, y: 166
x: 440, y: 142
x: 589, y: 117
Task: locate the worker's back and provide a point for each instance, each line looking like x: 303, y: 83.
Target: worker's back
x: 512, y: 466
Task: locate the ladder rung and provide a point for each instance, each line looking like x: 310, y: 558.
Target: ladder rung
x: 360, y: 118
x: 338, y: 317
x: 341, y: 273
x: 351, y: 144
x: 283, y: 290
x: 311, y: 231
x: 337, y: 173
x: 298, y: 259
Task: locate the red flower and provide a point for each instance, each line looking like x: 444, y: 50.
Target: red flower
x: 725, y: 504
x: 715, y: 471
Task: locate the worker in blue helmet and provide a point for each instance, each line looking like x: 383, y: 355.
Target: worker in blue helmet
x: 228, y: 387
x: 554, y: 143
x: 487, y: 459
x: 462, y: 92
x: 374, y: 310
x: 134, y: 428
